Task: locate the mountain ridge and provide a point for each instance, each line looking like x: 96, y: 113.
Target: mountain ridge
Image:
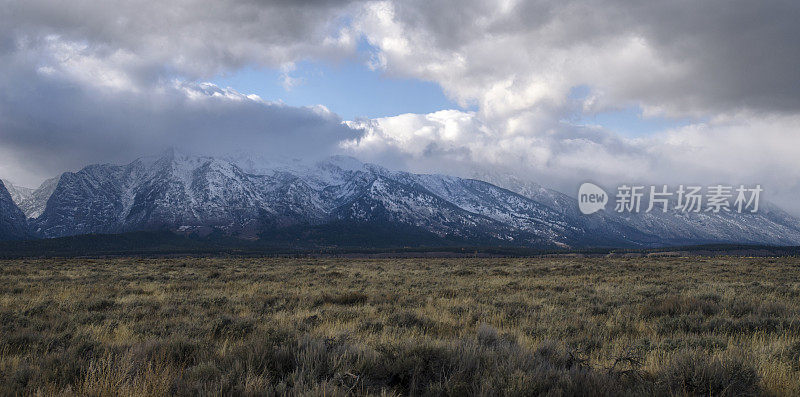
x: 12, y: 220
x: 253, y: 198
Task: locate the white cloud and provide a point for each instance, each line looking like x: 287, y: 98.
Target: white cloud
x: 86, y: 77
x: 195, y: 38
x: 737, y: 149
x: 84, y: 81
x: 732, y: 66
x: 61, y: 110
x: 675, y: 58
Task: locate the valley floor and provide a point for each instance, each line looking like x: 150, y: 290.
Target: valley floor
x: 187, y: 326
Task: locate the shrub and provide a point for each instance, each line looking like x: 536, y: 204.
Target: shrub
x: 227, y: 327
x: 697, y: 374
x: 487, y: 335
x: 409, y: 319
x: 675, y: 305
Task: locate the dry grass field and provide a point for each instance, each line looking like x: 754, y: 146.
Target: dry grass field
x: 188, y: 326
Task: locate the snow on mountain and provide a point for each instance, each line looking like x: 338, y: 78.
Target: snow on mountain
x: 180, y: 192
x: 13, y: 224
x: 32, y: 201
x: 18, y: 193
x: 247, y: 196
x: 770, y: 225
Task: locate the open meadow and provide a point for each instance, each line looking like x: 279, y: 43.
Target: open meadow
x: 466, y: 326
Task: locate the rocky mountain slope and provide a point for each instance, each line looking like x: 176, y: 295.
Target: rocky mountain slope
x: 32, y: 201
x: 323, y: 202
x: 12, y: 220
x: 770, y: 225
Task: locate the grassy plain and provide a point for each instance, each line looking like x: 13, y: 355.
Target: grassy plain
x: 604, y: 326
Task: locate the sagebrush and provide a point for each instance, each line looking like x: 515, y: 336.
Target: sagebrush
x: 604, y: 326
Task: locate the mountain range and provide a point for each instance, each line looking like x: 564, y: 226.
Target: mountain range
x: 341, y: 201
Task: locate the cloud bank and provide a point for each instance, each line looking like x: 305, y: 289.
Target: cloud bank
x: 728, y: 67
x: 84, y: 81
x: 87, y: 81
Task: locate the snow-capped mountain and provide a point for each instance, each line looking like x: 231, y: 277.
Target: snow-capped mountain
x: 341, y: 199
x: 189, y: 193
x: 770, y: 225
x: 12, y: 221
x: 18, y: 193
x: 32, y: 201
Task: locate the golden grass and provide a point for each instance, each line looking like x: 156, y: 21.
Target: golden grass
x: 187, y: 326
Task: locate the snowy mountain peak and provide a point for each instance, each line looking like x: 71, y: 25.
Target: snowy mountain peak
x: 32, y: 201
x: 327, y: 200
x: 13, y: 225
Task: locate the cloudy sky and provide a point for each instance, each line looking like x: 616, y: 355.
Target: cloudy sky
x: 553, y: 91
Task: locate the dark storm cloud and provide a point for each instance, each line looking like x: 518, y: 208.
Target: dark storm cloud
x: 50, y: 123
x: 727, y: 54
x: 719, y: 56
x: 743, y: 54
x: 192, y: 37
x: 87, y: 81
x: 84, y: 81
